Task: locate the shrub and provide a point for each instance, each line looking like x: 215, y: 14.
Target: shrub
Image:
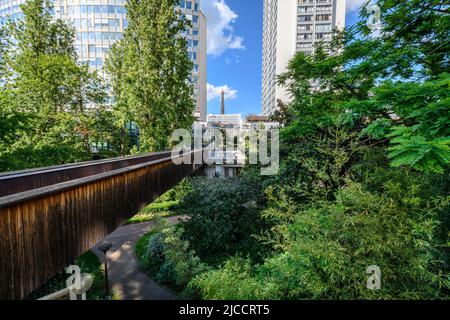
x: 236, y: 280
x: 328, y: 247
x: 224, y: 216
x: 170, y: 261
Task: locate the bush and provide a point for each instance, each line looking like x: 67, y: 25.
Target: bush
x: 170, y: 261
x: 223, y: 217
x: 327, y: 249
x: 236, y: 280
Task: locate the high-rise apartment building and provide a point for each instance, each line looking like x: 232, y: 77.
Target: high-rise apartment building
x: 197, y: 46
x: 99, y: 23
x: 290, y: 26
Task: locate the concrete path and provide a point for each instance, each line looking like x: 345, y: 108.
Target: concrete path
x: 127, y: 281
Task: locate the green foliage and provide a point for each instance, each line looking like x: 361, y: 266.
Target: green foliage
x: 166, y: 205
x: 45, y: 96
x: 141, y: 245
x: 328, y: 247
x: 314, y: 167
x: 282, y: 115
x: 170, y: 261
x: 177, y: 193
x: 162, y: 206
x: 420, y: 138
x: 155, y: 210
x: 149, y: 71
x: 363, y: 171
x: 350, y: 79
x: 223, y: 217
x: 236, y: 280
x: 105, y: 132
x: 88, y: 263
x: 378, y: 129
x: 406, y: 24
x: 417, y: 152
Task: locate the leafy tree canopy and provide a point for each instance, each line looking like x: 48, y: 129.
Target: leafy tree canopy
x: 150, y: 69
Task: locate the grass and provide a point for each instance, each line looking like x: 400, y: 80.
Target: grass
x: 162, y: 209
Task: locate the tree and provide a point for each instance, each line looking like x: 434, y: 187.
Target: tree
x: 392, y: 88
x: 420, y: 131
x: 329, y: 246
x: 361, y: 105
x: 4, y: 44
x: 282, y: 114
x: 46, y: 86
x: 413, y: 48
x: 415, y: 36
x: 150, y: 71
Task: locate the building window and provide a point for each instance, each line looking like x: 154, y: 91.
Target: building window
x: 305, y: 27
x: 323, y: 27
x: 305, y: 9
x: 304, y: 36
x: 324, y: 36
x: 304, y: 45
x: 304, y: 18
x: 323, y: 17
x: 323, y: 8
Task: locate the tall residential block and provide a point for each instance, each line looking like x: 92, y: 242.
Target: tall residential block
x: 290, y: 26
x: 100, y: 23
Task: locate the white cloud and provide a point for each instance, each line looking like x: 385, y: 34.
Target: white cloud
x: 355, y: 5
x: 215, y: 92
x: 221, y: 36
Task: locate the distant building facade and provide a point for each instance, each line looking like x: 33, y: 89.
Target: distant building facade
x: 260, y: 122
x: 290, y: 26
x: 224, y: 120
x: 100, y: 23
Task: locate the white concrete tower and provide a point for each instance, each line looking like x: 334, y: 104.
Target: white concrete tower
x: 290, y: 26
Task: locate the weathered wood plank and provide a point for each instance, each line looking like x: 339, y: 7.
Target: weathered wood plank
x: 44, y: 230
x: 24, y: 180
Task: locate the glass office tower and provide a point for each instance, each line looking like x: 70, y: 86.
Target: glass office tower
x: 99, y: 23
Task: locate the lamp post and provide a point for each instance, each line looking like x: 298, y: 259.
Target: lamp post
x: 104, y: 247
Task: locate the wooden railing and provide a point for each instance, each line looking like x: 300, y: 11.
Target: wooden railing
x: 46, y: 227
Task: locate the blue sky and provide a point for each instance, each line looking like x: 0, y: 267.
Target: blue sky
x: 235, y: 49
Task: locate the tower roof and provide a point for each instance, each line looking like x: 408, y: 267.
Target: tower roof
x: 222, y: 102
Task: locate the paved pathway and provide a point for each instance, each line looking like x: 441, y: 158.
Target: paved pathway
x: 127, y: 281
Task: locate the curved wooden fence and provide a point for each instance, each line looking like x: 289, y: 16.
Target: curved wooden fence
x: 45, y: 228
